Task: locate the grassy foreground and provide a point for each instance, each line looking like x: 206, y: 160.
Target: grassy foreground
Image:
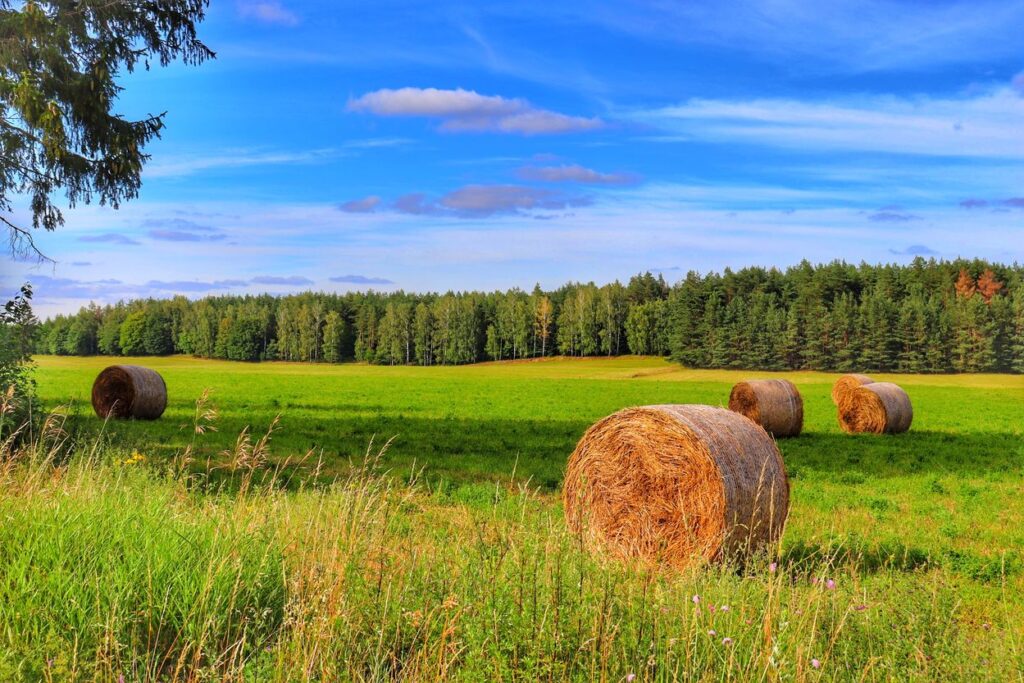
x: 901, y: 559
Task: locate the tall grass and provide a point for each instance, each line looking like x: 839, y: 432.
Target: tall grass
x: 115, y: 567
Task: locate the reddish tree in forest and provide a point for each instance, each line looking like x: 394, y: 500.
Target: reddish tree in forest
x: 965, y: 286
x: 988, y: 285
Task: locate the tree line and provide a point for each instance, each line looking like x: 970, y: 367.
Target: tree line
x: 927, y: 316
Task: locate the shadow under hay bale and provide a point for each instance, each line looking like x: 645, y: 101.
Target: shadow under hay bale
x: 129, y: 391
x: 876, y: 408
x: 676, y: 484
x: 846, y: 384
x: 775, y: 404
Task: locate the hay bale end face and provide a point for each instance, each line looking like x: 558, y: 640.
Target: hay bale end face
x: 675, y: 485
x: 876, y: 408
x: 775, y: 404
x: 846, y: 384
x: 129, y: 391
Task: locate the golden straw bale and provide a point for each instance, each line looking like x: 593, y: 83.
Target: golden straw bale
x: 877, y: 408
x: 676, y: 484
x: 848, y: 383
x: 126, y: 391
x: 775, y: 404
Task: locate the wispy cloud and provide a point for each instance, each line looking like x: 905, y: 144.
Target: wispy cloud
x: 415, y: 203
x: 481, y: 201
x: 292, y: 280
x: 844, y: 35
x: 487, y: 200
x: 979, y: 126
x: 360, y: 280
x: 267, y: 12
x: 574, y: 173
x: 915, y: 250
x: 182, y: 236
x: 468, y: 111
x: 977, y: 203
x: 364, y: 205
x: 973, y: 203
x: 193, y: 285
x: 892, y: 214
x: 169, y: 166
x: 181, y: 230
x: 109, y: 238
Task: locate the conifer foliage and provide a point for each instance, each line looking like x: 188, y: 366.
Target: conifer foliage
x: 928, y: 316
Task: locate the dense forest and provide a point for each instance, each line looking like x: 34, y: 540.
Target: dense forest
x: 928, y: 316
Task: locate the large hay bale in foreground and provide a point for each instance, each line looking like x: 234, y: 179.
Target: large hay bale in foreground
x: 675, y: 484
x: 846, y: 384
x: 129, y: 391
x: 775, y: 404
x: 877, y: 408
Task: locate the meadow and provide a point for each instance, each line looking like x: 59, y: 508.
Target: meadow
x: 901, y: 559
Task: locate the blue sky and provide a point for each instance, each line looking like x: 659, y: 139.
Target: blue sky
x: 338, y: 146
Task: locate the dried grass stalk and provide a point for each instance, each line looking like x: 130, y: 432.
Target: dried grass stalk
x: 676, y: 484
x: 848, y: 383
x: 877, y: 408
x: 775, y: 404
x: 129, y: 391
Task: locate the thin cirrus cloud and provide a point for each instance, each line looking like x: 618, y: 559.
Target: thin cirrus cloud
x: 574, y: 173
x: 892, y: 217
x: 361, y: 280
x: 985, y: 125
x: 364, y: 205
x: 915, y: 250
x: 482, y: 201
x: 415, y: 204
x: 845, y: 36
x: 182, y: 236
x: 181, y: 230
x: 292, y: 280
x: 109, y: 238
x: 468, y: 111
x: 977, y: 203
x: 486, y: 200
x: 267, y: 12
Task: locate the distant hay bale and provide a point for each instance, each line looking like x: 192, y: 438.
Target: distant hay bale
x: 876, y: 408
x: 848, y: 383
x: 775, y: 404
x: 125, y: 391
x: 676, y: 484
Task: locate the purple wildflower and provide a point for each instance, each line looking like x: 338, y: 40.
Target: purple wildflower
x: 712, y: 633
x: 830, y: 584
x: 727, y: 641
x: 630, y: 678
x: 696, y: 599
x: 772, y: 567
x: 816, y: 663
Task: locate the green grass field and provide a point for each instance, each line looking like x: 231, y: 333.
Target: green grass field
x: 465, y: 576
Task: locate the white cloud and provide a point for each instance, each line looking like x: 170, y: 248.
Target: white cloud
x: 171, y: 166
x: 574, y: 173
x: 466, y: 110
x: 364, y: 205
x: 981, y: 126
x: 267, y: 12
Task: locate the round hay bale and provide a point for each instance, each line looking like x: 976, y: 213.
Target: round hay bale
x: 876, y: 408
x: 848, y: 383
x: 775, y: 404
x: 676, y: 484
x: 125, y: 391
